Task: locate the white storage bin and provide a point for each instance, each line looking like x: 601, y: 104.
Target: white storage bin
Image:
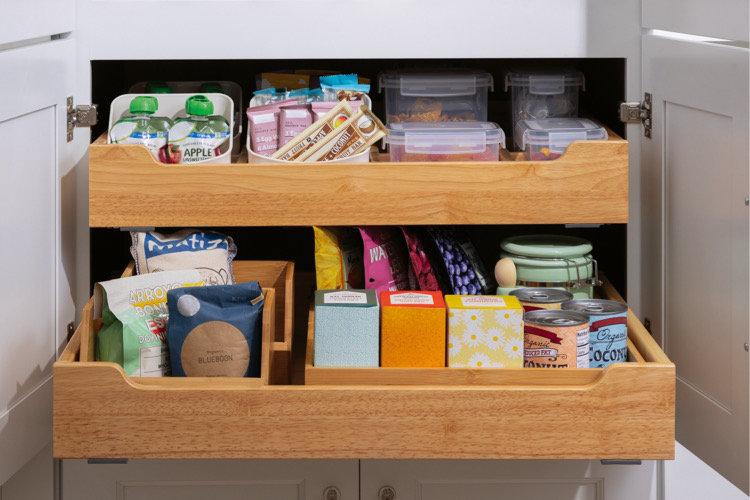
x: 171, y: 105
x: 231, y: 89
x: 435, y: 97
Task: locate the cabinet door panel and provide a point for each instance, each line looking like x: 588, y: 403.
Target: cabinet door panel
x: 35, y: 155
x: 507, y: 480
x: 695, y: 170
x: 201, y: 479
x: 24, y: 20
x: 699, y: 17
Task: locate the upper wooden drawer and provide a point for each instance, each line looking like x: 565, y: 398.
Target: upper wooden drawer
x: 588, y: 184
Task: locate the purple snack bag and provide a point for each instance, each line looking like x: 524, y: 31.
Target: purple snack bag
x: 386, y: 262
x: 292, y: 121
x: 463, y: 272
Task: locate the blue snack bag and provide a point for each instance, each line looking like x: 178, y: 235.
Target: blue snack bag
x: 215, y: 331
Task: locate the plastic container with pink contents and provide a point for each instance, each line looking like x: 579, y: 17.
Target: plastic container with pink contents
x: 444, y: 141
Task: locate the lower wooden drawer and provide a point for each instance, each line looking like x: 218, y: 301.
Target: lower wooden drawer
x: 625, y: 411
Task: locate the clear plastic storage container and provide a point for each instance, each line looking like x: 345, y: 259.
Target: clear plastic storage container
x: 454, y: 141
x: 543, y: 94
x: 549, y: 138
x: 436, y: 97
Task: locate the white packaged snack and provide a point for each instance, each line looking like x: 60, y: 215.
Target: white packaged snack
x: 209, y: 252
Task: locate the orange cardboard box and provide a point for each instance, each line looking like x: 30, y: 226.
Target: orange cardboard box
x: 412, y: 329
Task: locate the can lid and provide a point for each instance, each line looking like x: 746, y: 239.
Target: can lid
x: 595, y: 306
x: 542, y: 295
x: 199, y: 105
x: 144, y: 105
x: 554, y: 317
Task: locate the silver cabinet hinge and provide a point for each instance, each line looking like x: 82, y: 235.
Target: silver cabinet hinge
x: 638, y: 112
x: 79, y: 116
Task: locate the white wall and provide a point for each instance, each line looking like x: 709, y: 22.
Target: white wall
x: 688, y: 478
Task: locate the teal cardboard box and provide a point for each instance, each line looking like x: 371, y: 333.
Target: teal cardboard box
x: 347, y: 328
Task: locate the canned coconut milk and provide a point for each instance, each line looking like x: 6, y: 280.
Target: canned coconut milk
x: 534, y: 299
x: 608, y: 329
x: 555, y: 339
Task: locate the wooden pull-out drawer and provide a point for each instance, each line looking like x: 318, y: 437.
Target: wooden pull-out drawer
x: 623, y: 411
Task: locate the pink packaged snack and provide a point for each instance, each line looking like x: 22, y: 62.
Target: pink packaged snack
x: 426, y: 276
x: 319, y: 109
x: 292, y: 121
x: 386, y: 262
x: 263, y: 125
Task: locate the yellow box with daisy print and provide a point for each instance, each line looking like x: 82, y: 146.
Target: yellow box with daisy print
x: 484, y: 331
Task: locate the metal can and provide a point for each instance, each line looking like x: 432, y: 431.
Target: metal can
x: 533, y: 299
x: 608, y: 329
x: 555, y: 339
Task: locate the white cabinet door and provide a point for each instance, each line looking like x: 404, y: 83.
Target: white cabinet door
x: 695, y: 216
x: 215, y: 479
x: 507, y: 480
x: 23, y: 21
x: 728, y: 19
x: 36, y: 239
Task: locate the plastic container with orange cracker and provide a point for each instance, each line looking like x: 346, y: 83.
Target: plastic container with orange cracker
x: 451, y: 141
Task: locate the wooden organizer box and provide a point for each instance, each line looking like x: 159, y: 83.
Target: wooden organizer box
x: 588, y: 184
x: 277, y: 280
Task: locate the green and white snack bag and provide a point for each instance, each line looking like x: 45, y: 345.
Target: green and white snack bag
x: 134, y: 317
x: 200, y: 136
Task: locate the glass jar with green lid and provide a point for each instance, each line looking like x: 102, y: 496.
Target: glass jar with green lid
x: 551, y: 261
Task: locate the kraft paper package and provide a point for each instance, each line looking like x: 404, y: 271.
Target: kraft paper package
x: 209, y: 252
x: 215, y: 331
x: 134, y: 316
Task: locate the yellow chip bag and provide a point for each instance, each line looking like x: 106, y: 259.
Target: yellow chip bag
x: 338, y: 258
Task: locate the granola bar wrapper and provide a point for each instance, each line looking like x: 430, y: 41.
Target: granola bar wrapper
x: 356, y: 135
x: 315, y: 133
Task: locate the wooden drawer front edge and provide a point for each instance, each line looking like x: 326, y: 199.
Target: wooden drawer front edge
x: 588, y: 184
x: 627, y: 413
